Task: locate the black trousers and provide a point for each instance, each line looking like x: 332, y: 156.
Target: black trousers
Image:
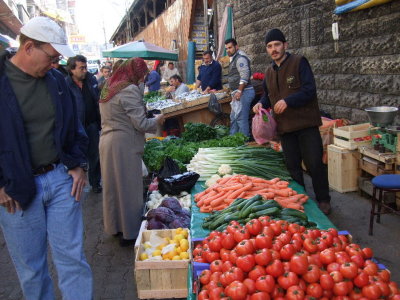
x: 92, y: 131
x: 306, y: 145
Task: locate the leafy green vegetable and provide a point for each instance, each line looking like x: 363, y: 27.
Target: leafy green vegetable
x: 153, y: 97
x: 196, y: 132
x: 221, y: 131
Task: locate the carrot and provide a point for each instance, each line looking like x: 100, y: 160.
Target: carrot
x: 233, y: 187
x: 294, y: 206
x: 246, y: 187
x: 205, y: 209
x: 283, y: 183
x: 200, y: 203
x: 211, y: 198
x: 224, y: 180
x: 217, y: 201
x: 275, y: 180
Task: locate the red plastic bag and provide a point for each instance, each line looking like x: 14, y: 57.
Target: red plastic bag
x: 263, y: 126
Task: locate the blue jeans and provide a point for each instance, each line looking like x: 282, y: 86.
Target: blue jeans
x: 241, y: 123
x: 56, y: 217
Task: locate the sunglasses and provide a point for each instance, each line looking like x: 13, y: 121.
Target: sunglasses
x: 53, y: 58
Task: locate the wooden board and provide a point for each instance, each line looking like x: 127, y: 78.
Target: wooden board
x: 343, y: 169
x: 193, y: 108
x: 351, y: 145
x: 353, y: 131
x: 386, y: 158
x: 374, y: 169
x: 163, y: 278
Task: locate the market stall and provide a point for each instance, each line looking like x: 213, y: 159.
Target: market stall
x: 247, y: 222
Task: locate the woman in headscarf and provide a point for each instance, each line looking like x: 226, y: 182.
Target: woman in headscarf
x: 124, y: 123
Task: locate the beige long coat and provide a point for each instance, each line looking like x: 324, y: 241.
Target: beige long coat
x: 124, y: 124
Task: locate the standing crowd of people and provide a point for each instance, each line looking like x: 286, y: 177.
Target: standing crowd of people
x: 58, y: 128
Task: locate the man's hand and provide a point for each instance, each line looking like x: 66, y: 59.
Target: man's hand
x: 11, y: 205
x: 237, y: 95
x: 207, y: 90
x: 257, y: 107
x: 280, y: 106
x: 160, y: 119
x: 80, y: 180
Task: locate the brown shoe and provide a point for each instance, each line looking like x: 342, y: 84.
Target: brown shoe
x: 325, y: 207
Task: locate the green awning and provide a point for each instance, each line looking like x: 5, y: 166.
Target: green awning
x: 141, y: 49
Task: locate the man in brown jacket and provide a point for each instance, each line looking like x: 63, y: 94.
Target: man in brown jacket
x: 290, y: 91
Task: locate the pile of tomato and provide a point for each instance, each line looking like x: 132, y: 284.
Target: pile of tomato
x: 268, y: 259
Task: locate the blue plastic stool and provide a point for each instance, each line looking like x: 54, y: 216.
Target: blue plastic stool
x: 383, y: 183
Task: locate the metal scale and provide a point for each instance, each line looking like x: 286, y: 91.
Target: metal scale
x: 384, y: 134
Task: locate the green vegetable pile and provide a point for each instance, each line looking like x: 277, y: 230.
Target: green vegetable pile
x: 197, y: 132
x: 243, y: 211
x: 182, y: 150
x: 153, y: 97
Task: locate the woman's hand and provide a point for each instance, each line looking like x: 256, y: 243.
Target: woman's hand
x: 160, y: 119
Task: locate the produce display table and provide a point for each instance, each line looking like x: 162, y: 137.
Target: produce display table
x: 198, y: 113
x: 314, y: 214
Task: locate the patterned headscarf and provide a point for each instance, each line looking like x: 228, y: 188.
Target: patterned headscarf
x: 129, y: 72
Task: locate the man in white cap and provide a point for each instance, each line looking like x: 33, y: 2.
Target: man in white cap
x: 42, y: 166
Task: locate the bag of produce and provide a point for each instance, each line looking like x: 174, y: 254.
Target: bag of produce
x: 176, y: 184
x: 169, y: 168
x: 213, y: 105
x: 263, y: 126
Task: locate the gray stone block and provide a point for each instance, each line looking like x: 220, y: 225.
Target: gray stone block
x: 390, y: 100
x: 396, y: 85
x: 381, y: 83
x: 369, y: 100
x: 325, y: 81
x: 359, y: 116
x: 328, y: 108
x: 334, y: 97
x: 350, y: 99
x: 343, y: 112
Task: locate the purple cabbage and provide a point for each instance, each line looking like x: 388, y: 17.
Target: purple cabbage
x: 164, y: 214
x: 155, y: 224
x: 172, y: 203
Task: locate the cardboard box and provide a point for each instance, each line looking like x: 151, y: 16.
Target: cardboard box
x: 343, y: 169
x: 163, y: 278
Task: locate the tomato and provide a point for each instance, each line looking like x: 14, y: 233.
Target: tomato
x: 236, y: 273
x: 275, y: 268
x: 236, y: 291
x: 284, y: 237
x: 216, y: 293
x: 314, y: 290
x: 224, y: 279
x: 327, y: 237
x: 371, y: 291
x: 310, y: 245
x: 268, y: 231
x: 286, y: 266
x: 275, y: 254
x: 215, y: 277
x: 395, y: 297
x: 263, y: 257
x: 256, y: 272
x: 214, y: 234
x: 233, y: 256
x: 393, y: 288
x: 199, y: 259
x: 337, y: 245
x: 358, y: 259
x: 284, y: 224
x: 216, y: 266
x: 315, y: 259
x: 327, y: 256
x: 349, y: 270
x: 384, y: 287
x: 368, y: 253
x: 277, y: 245
x: 203, y: 295
x: 336, y: 276
x: 254, y: 227
x: 287, y: 252
x: 288, y: 279
x: 250, y: 285
x: 341, y: 288
x: 297, y: 244
x: 342, y: 257
x: 370, y: 268
x: 333, y: 231
x: 328, y: 294
x: 277, y: 228
x: 232, y: 228
x: 344, y: 239
x: 205, y: 277
x: 326, y: 281
x: 245, y: 247
x: 295, y: 293
x: 226, y: 266
x: 215, y: 244
x: 294, y: 228
x: 227, y: 241
x: 197, y: 250
x: 211, y: 256
x: 241, y: 235
x: 299, y: 264
x: 263, y: 241
x: 246, y: 262
x: 362, y: 279
x: 321, y: 244
x: 302, y: 284
x: 278, y: 292
x: 260, y: 296
x: 265, y: 283
x: 355, y: 294
x: 384, y: 275
x: 312, y: 275
x: 333, y: 267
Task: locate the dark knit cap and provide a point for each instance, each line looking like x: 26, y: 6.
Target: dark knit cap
x: 274, y: 35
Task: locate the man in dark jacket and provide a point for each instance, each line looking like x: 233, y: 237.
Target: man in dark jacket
x: 210, y: 72
x: 83, y: 86
x: 42, y: 166
x: 290, y: 90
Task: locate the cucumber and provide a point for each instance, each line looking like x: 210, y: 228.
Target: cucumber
x: 295, y: 213
x: 265, y: 205
x: 250, y: 201
x: 221, y: 227
x: 246, y: 211
x: 268, y: 212
x: 290, y: 219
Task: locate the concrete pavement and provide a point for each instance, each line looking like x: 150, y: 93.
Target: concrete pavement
x: 113, y: 266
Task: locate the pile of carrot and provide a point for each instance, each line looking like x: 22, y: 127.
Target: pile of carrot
x: 226, y: 190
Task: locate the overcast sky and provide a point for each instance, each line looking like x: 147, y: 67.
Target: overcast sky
x: 90, y: 15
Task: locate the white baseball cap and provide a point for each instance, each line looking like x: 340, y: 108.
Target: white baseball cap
x: 46, y: 30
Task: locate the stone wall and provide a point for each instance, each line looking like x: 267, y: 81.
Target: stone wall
x: 366, y: 70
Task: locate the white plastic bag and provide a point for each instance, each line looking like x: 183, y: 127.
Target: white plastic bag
x: 144, y: 170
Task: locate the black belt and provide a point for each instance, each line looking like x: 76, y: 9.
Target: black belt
x: 44, y: 169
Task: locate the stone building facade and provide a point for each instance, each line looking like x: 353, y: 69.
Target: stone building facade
x: 364, y: 72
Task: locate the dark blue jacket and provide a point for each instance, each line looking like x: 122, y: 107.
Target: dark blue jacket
x: 92, y: 85
x: 210, y: 76
x: 71, y: 142
x: 153, y: 81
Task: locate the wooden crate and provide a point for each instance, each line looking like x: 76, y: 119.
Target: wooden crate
x: 374, y: 167
x: 343, y: 169
x: 345, y: 136
x: 163, y: 278
x: 386, y: 158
